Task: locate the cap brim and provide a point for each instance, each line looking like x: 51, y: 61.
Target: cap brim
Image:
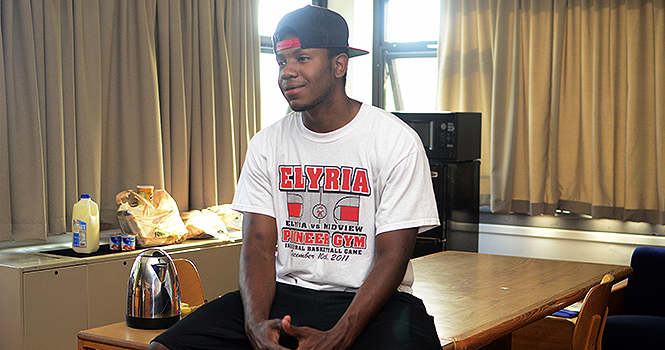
x: 353, y: 52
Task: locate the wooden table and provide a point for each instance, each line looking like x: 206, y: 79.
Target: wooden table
x: 480, y: 299
x: 476, y: 299
x: 117, y: 336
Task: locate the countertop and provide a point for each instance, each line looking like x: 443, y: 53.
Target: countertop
x: 44, y: 256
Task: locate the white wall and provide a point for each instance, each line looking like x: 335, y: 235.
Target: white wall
x: 562, y: 244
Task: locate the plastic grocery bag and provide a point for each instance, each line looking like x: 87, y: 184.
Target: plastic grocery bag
x: 204, y: 224
x: 215, y: 221
x: 154, y: 223
x: 231, y: 218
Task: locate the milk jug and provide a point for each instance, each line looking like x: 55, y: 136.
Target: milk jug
x: 85, y: 225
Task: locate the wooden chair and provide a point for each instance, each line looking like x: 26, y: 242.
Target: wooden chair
x: 583, y: 332
x: 191, y: 290
x: 588, y: 333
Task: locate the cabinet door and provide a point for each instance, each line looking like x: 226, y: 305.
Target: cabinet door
x: 55, y: 307
x: 107, y: 286
x: 217, y: 266
x: 11, y: 325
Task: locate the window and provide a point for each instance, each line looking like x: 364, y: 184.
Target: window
x: 273, y: 104
x: 405, y: 50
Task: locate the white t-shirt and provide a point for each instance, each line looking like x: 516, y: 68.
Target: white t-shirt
x: 332, y: 193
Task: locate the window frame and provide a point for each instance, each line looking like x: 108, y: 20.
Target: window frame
x: 384, y: 54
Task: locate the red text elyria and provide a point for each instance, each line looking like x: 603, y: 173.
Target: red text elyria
x: 330, y: 178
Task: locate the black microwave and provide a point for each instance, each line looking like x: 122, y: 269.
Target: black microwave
x: 447, y: 135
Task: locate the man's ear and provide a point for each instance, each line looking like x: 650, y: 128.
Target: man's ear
x: 340, y: 65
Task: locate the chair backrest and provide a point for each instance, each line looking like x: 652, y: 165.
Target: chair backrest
x: 191, y: 290
x: 646, y: 286
x: 588, y: 331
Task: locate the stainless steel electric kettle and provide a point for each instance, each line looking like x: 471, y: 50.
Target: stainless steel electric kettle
x: 153, y: 291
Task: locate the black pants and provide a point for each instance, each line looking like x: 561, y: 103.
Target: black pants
x: 403, y: 323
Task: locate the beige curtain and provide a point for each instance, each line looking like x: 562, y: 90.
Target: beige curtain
x: 100, y: 96
x: 572, y: 99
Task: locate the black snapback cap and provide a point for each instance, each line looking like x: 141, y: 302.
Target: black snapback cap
x: 314, y: 27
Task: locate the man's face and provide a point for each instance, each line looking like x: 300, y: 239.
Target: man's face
x: 306, y: 77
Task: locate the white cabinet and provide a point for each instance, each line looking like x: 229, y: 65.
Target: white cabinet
x: 107, y: 291
x: 57, y: 301
x: 46, y: 300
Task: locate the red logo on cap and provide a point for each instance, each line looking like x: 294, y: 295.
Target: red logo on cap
x: 287, y: 44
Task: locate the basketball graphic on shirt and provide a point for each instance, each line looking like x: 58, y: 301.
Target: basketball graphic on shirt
x: 319, y: 211
x: 294, y: 205
x: 347, y: 210
x: 318, y: 197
